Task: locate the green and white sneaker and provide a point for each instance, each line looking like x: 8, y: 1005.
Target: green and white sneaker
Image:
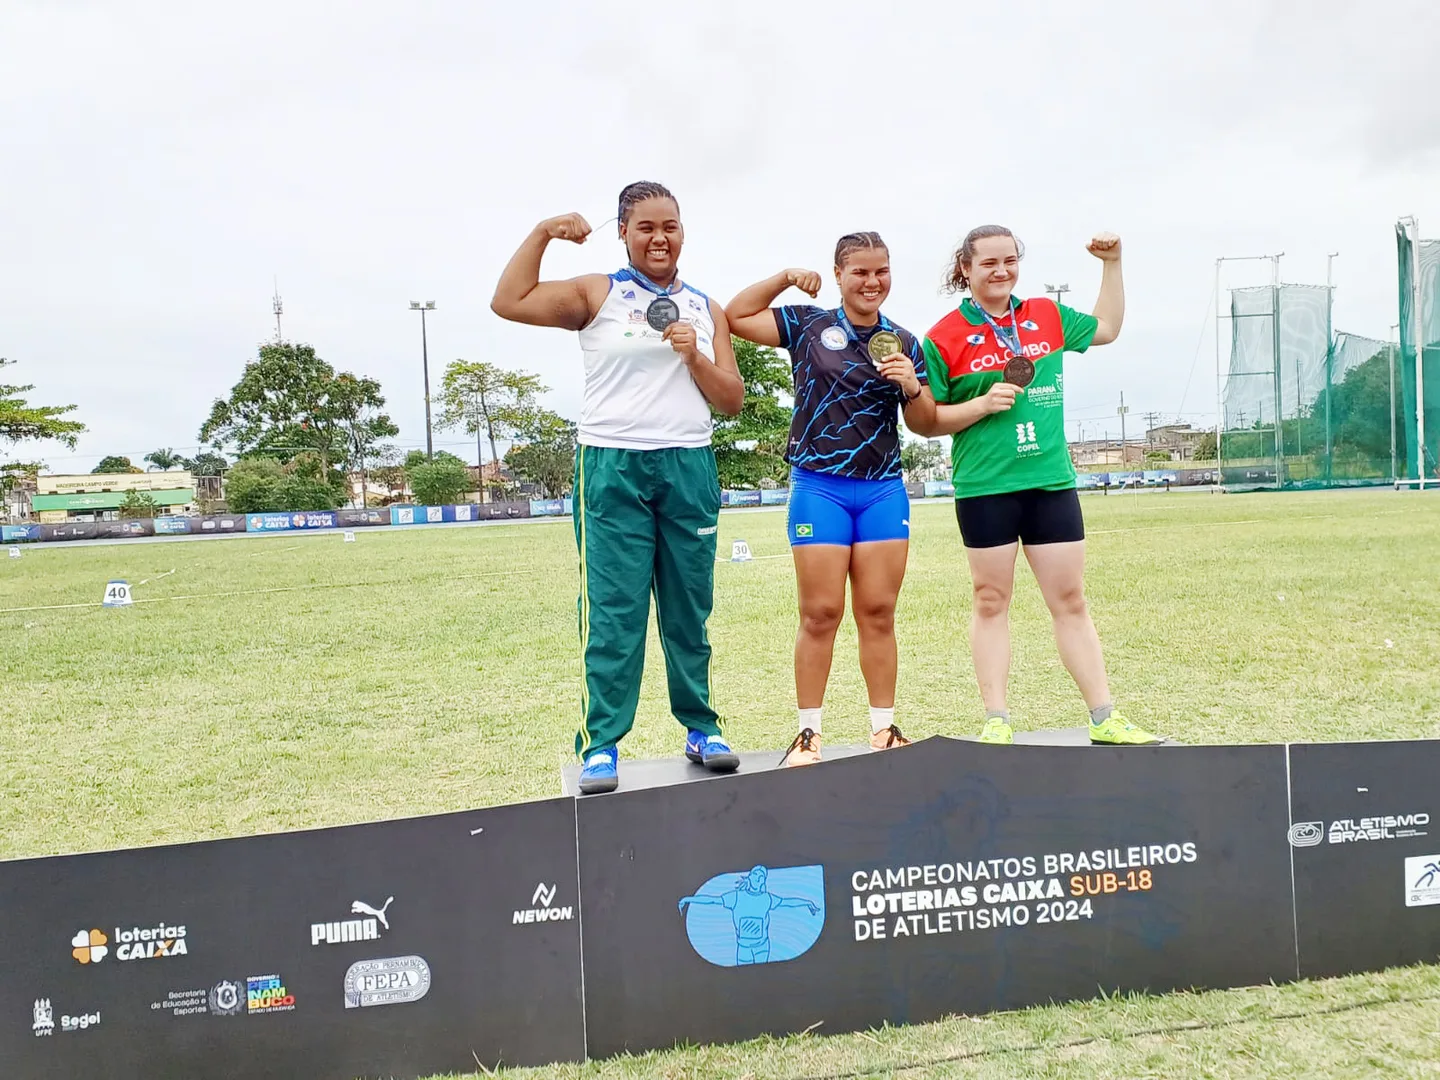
x: 1117, y: 731
x: 997, y: 731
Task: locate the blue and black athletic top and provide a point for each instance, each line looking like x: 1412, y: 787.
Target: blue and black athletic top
x: 846, y: 419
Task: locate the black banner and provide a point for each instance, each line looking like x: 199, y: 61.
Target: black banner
x: 218, y: 523
x: 351, y: 518
x: 116, y: 530
x: 1367, y: 855
x: 944, y: 877
x: 70, y: 530
x: 395, y: 949
x: 494, y: 510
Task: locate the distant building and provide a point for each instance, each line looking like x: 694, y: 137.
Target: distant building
x: 1178, y: 440
x: 1105, y: 453
x: 97, y: 496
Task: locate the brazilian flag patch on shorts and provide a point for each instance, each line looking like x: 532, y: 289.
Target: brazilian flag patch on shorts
x: 804, y: 530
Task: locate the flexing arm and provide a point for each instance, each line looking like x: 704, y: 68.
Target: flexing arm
x: 719, y: 380
x: 953, y: 419
x: 522, y: 297
x: 749, y: 313
x: 1109, y: 309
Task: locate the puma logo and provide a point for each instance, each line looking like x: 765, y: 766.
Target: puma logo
x: 359, y: 907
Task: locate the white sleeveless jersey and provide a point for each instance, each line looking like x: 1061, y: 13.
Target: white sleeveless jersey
x: 638, y: 392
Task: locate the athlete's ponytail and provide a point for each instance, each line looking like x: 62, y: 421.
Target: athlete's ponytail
x: 958, y: 280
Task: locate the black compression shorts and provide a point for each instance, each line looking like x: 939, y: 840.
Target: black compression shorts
x: 1033, y: 517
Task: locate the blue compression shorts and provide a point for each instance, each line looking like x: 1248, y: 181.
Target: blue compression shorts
x: 828, y: 509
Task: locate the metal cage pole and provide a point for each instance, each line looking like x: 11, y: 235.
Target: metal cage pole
x: 1275, y: 358
x: 1418, y: 322
x: 1219, y: 384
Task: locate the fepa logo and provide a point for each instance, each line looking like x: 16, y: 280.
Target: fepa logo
x: 391, y: 981
x: 541, y: 909
x: 89, y: 946
x: 762, y: 916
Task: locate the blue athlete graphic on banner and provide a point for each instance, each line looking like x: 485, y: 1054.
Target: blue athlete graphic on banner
x: 753, y: 923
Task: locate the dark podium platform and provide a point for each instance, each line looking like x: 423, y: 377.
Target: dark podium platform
x: 642, y: 773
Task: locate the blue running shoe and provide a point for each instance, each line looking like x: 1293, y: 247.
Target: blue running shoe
x: 600, y: 773
x: 711, y: 751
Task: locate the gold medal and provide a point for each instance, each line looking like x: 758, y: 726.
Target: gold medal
x: 884, y: 344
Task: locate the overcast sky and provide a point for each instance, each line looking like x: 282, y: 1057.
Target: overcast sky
x: 164, y: 161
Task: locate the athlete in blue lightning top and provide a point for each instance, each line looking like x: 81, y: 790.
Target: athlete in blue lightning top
x: 849, y: 514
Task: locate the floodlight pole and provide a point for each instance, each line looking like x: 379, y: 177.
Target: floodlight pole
x: 1057, y: 291
x: 1417, y: 331
x: 429, y: 305
x: 1219, y: 378
x: 1275, y: 352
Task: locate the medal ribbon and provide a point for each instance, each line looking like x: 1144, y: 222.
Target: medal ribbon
x: 1010, y: 339
x: 663, y: 290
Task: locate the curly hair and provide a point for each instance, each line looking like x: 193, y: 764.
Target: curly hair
x: 956, y: 280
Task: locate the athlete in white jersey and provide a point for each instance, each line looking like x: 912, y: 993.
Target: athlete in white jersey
x: 647, y: 496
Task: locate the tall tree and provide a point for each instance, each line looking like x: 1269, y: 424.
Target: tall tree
x: 489, y: 400
x: 289, y: 401
x: 22, y: 422
x: 206, y: 463
x: 357, y: 404
x: 546, y: 453
x: 750, y: 447
x: 114, y: 463
x: 165, y: 458
x: 919, y: 459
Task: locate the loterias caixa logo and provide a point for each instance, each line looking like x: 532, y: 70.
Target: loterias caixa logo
x: 758, y: 916
x: 135, y: 943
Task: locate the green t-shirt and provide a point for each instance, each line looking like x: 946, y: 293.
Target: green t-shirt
x: 1024, y: 448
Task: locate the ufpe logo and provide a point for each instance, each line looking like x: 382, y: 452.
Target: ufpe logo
x: 89, y: 946
x: 762, y: 916
x: 1422, y: 881
x: 1307, y: 833
x: 391, y: 981
x: 541, y: 909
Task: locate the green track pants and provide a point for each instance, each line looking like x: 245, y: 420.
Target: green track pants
x: 644, y: 524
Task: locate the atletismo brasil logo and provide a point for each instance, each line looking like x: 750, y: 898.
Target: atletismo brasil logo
x: 761, y: 916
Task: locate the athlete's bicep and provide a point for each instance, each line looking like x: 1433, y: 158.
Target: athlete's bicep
x: 569, y: 304
x: 761, y: 328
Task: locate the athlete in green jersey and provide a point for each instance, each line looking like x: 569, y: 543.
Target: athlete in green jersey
x: 996, y: 368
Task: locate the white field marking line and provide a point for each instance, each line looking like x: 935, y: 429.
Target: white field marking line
x: 260, y: 592
x: 277, y: 551
x: 754, y: 558
x: 157, y: 577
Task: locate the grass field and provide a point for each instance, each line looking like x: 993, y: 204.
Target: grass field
x: 285, y: 682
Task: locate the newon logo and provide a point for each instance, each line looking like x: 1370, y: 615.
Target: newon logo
x: 763, y: 915
x: 542, y: 908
